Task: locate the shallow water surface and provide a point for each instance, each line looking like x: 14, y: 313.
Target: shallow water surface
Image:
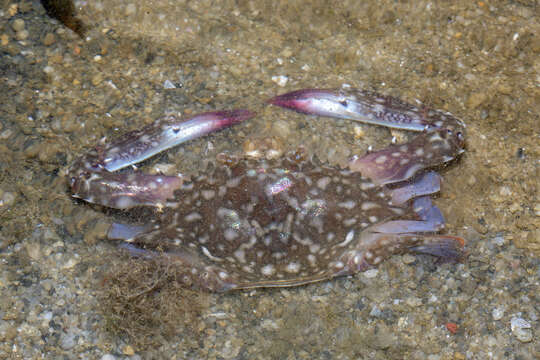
x: 66, y: 291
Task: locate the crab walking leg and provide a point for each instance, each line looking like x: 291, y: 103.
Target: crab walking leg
x: 394, y: 237
x: 445, y: 247
x: 428, y: 183
x: 442, y: 140
x: 431, y: 220
x: 138, y: 252
x: 126, y: 232
x: 91, y: 176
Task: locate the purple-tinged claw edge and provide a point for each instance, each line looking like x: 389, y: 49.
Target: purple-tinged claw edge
x: 299, y: 99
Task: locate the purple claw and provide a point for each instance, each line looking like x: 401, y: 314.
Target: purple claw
x: 353, y: 104
x: 309, y: 101
x: 91, y: 177
x: 164, y: 134
x: 442, y: 140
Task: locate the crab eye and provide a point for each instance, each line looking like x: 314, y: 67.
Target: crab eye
x: 460, y: 136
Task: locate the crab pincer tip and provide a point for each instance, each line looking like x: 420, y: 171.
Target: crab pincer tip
x: 289, y: 99
x: 305, y: 101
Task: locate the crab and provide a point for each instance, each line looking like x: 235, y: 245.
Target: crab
x: 251, y: 223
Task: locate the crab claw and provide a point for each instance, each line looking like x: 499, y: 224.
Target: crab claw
x: 353, y: 104
x: 166, y: 133
x: 441, y: 141
x: 92, y: 177
x: 335, y: 103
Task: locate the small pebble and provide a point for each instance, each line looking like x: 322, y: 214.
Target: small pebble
x: 287, y: 52
x: 18, y: 25
x: 7, y: 199
x: 6, y: 134
x: 499, y: 240
x: 280, y: 80
x: 408, y: 259
x: 108, y: 357
x: 70, y: 263
x: 49, y: 39
x: 282, y: 128
x: 476, y: 99
x: 371, y: 273
x: 521, y: 329
x: 128, y: 350
x: 497, y: 313
x: 68, y: 340
x: 97, y: 79
x: 32, y: 150
x: 270, y: 324
x: 413, y: 301
x: 359, y: 132
x: 471, y: 180
x: 400, y: 136
x: 4, y: 39
x: 375, y: 311
x: 13, y: 9
x: 505, y: 191
x: 164, y: 169
x: 231, y: 348
x: 167, y: 84
x: 491, y: 341
x: 22, y: 35
x: 34, y: 251
x: 47, y: 315
x: 514, y: 207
